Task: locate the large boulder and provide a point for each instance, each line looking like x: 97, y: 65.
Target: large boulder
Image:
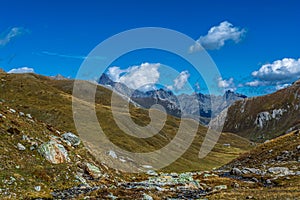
x: 54, y: 152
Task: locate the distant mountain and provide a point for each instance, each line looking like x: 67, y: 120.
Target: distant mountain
x: 197, y: 105
x: 265, y: 117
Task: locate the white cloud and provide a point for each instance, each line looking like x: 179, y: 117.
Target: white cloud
x: 226, y: 84
x: 13, y: 32
x: 255, y: 83
x: 115, y: 72
x: 21, y: 70
x: 279, y: 71
x: 197, y: 86
x: 217, y: 36
x: 279, y: 87
x: 181, y: 80
x: 141, y: 77
x: 279, y: 74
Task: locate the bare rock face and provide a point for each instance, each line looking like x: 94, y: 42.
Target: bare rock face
x: 54, y: 152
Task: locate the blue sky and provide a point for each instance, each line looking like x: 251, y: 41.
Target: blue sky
x: 53, y: 37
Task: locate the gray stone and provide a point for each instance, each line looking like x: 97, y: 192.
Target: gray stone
x: 254, y: 180
x: 236, y: 171
x: 54, y: 152
x: 111, y: 196
x: 253, y: 170
x: 220, y: 187
x: 37, y: 188
x: 79, y: 177
x: 151, y: 173
x: 29, y: 116
x: 21, y: 147
x: 147, y: 197
x: 112, y: 154
x: 93, y: 170
x: 279, y: 170
x: 236, y: 185
x: 71, y: 138
x: 12, y: 110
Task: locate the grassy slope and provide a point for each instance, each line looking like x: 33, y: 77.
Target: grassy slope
x: 28, y: 164
x: 50, y: 101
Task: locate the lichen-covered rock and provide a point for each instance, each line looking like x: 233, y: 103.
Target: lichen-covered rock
x: 71, y: 138
x: 54, y: 152
x: 93, y: 170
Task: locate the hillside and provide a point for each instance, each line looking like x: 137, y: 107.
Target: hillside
x: 265, y: 117
x: 50, y: 101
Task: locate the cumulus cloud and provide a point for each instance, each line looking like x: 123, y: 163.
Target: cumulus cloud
x: 278, y: 71
x: 255, y: 83
x: 21, y: 70
x: 115, y: 72
x: 142, y: 77
x: 226, y: 84
x: 181, y: 80
x: 282, y: 86
x: 217, y: 36
x: 12, y: 33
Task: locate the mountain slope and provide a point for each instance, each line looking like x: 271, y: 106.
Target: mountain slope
x: 265, y: 117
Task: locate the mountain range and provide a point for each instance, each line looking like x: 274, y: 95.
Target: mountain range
x: 197, y: 106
